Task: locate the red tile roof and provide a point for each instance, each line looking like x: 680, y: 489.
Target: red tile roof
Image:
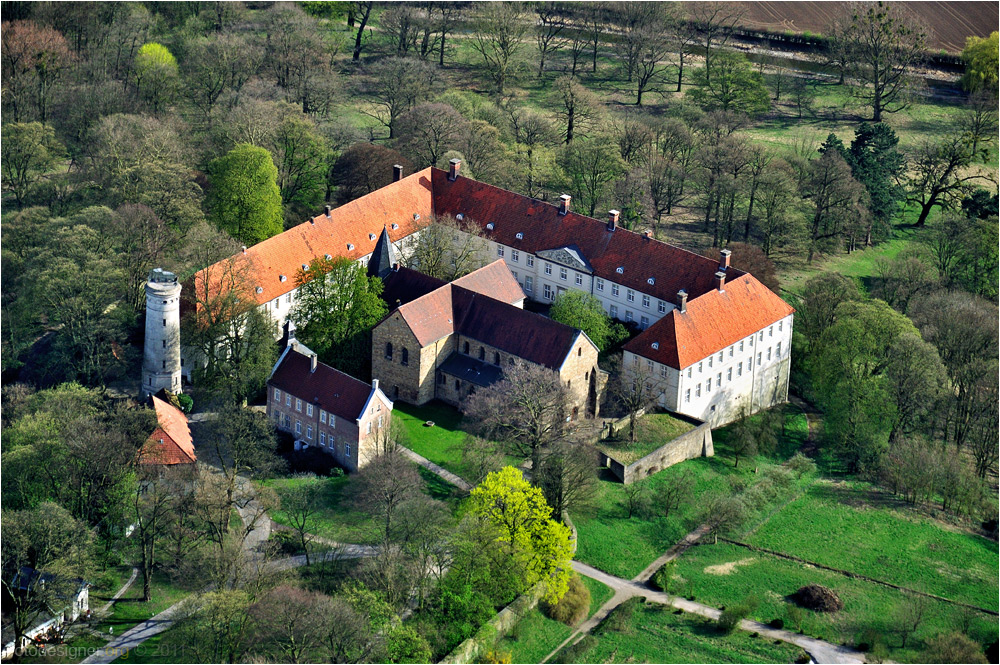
x: 329, y: 388
x: 494, y: 280
x: 542, y: 227
x: 712, y: 322
x: 351, y: 230
x: 170, y: 443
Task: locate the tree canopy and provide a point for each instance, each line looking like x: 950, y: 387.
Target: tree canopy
x: 245, y: 200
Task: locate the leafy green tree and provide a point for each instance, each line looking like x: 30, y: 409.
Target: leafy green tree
x: 538, y: 542
x: 155, y: 75
x: 245, y: 200
x: 403, y: 644
x: 982, y: 60
x: 884, y: 45
x: 29, y: 150
x: 301, y: 154
x: 335, y: 310
x: 584, y: 311
x: 729, y: 83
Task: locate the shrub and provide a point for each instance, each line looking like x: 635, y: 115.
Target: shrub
x: 777, y: 623
x: 801, y: 465
x: 663, y: 578
x: 731, y: 616
x: 573, y: 606
x: 496, y: 656
x: 186, y: 402
x: 620, y: 618
x: 286, y: 542
x: 574, y: 652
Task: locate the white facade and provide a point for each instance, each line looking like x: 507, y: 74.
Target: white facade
x: 161, y: 358
x: 751, y: 373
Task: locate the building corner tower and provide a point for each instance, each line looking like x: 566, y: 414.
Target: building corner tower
x: 161, y: 360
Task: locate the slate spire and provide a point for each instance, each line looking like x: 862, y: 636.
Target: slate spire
x: 383, y: 257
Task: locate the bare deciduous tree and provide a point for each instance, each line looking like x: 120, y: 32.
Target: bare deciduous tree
x: 499, y: 33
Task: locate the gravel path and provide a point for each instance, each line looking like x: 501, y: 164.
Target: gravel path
x: 434, y: 468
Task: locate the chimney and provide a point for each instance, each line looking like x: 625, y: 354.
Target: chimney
x: 647, y: 234
x: 397, y: 172
x: 724, y: 261
x: 244, y: 249
x: 312, y: 363
x: 564, y: 202
x: 682, y: 300
x: 720, y: 280
x: 453, y: 166
x: 375, y: 381
x: 613, y: 219
x: 328, y: 209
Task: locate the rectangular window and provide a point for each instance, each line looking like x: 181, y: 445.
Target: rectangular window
x: 661, y: 307
x: 288, y: 399
x: 277, y: 395
x: 164, y: 344
x: 530, y: 259
x: 708, y: 386
x: 547, y: 290
x: 322, y: 416
x: 529, y: 284
x: 649, y: 365
x: 548, y: 268
x: 614, y: 312
x: 309, y: 409
x: 322, y: 439
x: 515, y: 255
x: 628, y: 315
x: 768, y: 353
x: 347, y: 450
x: 729, y: 374
x: 298, y: 405
x: 298, y: 427
x: 615, y: 290
x: 777, y: 349
x: 770, y: 331
x: 333, y: 422
x: 739, y: 369
x: 644, y: 322
x: 710, y: 361
x: 720, y: 356
x: 499, y: 250
x: 718, y: 379
x: 741, y: 348
x: 288, y: 299
x: 730, y: 352
x: 309, y: 432
x: 779, y: 325
x: 697, y: 390
x: 645, y: 301
x: 380, y: 421
x: 579, y: 279
x: 751, y: 340
x: 600, y: 285
x: 700, y: 367
x: 514, y: 273
x: 563, y: 274
x: 689, y: 372
x: 663, y: 371
x: 277, y: 303
x: 758, y: 357
x: 687, y: 395
x: 760, y: 338
x: 164, y: 323
x: 277, y: 419
x: 630, y: 295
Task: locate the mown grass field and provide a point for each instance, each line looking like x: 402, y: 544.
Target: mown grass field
x: 535, y: 636
x: 863, y: 537
x: 657, y: 635
x: 725, y: 574
x: 611, y: 541
x: 652, y: 431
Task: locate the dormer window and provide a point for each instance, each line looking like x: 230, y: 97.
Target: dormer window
x: 656, y: 345
x: 519, y: 236
x: 350, y: 247
x: 460, y: 217
x: 260, y: 289
x: 489, y: 227
x: 620, y: 270
x: 416, y: 217
x: 328, y: 257
x: 371, y: 236
x: 281, y: 278
x: 305, y: 266
x: 394, y: 226
x: 651, y: 281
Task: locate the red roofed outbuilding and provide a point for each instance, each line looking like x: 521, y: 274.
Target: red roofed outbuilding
x: 170, y: 444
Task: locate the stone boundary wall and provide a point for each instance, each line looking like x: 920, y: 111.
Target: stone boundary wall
x: 695, y: 443
x: 497, y: 627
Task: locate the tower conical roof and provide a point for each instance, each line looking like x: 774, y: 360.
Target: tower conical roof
x: 383, y: 257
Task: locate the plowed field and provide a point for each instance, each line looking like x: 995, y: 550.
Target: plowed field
x: 951, y: 22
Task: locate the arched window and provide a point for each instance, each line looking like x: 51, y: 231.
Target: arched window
x: 482, y: 353
x: 405, y: 356
x: 496, y: 358
x: 465, y: 348
x: 579, y: 352
x: 388, y: 350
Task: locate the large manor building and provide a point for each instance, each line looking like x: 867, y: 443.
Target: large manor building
x: 714, y: 340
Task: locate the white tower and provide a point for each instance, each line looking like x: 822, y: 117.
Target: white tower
x: 161, y: 361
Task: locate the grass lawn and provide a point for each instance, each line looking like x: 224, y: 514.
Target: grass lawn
x: 340, y: 519
x: 863, y: 535
x: 657, y: 635
x: 441, y: 444
x: 652, y: 431
x: 725, y: 574
x: 609, y: 540
x: 535, y: 636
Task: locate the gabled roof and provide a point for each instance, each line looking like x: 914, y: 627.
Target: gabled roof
x: 713, y: 321
x: 328, y: 388
x: 170, y: 443
x: 352, y: 231
x: 542, y: 228
x: 494, y: 280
